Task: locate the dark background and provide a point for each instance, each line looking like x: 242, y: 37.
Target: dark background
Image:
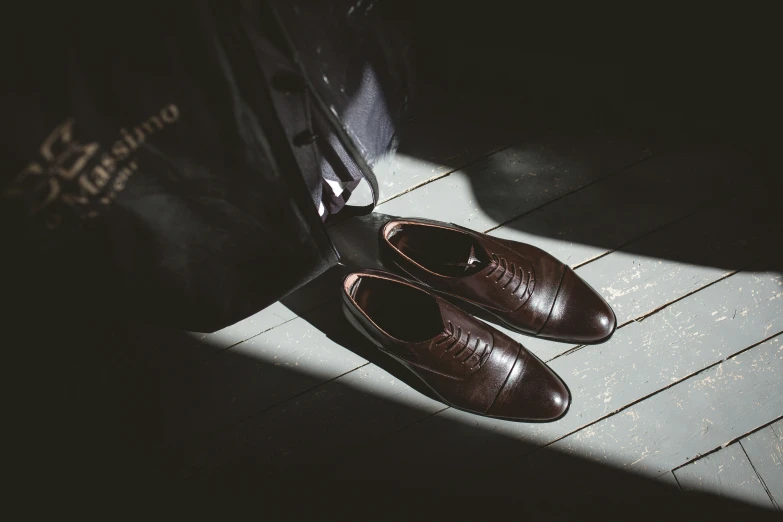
x: 81, y: 412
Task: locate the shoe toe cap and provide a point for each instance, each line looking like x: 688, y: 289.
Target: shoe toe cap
x: 532, y: 392
x: 579, y: 313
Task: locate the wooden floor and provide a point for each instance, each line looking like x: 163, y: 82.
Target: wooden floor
x: 678, y: 234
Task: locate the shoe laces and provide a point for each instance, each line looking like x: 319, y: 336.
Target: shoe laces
x: 464, y: 348
x: 514, y: 276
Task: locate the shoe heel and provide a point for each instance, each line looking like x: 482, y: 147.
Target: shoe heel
x: 356, y: 324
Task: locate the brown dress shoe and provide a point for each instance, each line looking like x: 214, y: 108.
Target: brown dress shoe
x: 524, y: 287
x: 467, y: 363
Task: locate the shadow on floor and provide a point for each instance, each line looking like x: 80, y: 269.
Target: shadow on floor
x: 609, y: 204
x: 103, y: 421
x: 482, y: 89
x: 732, y: 231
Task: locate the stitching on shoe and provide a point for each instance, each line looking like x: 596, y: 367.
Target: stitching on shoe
x: 559, y: 286
x: 507, y: 378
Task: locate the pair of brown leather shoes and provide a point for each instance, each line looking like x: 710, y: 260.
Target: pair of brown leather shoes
x: 466, y: 362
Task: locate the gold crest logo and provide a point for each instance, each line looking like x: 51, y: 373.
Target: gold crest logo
x: 75, y: 176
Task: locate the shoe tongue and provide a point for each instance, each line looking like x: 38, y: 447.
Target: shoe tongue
x: 473, y: 261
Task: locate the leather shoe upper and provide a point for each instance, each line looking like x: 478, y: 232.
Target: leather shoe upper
x: 463, y: 360
x: 526, y: 288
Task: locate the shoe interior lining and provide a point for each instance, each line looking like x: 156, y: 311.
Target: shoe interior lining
x: 449, y: 253
x: 404, y: 312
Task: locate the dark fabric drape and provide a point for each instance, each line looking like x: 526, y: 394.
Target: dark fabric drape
x: 157, y: 159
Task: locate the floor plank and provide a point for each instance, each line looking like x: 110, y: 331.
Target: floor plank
x: 256, y: 374
x: 441, y: 139
x: 765, y: 451
x: 691, y: 418
x: 727, y: 473
x: 639, y: 360
x: 268, y: 318
x: 664, y: 266
x: 669, y: 480
x: 620, y: 208
x: 516, y: 180
x: 358, y: 408
x: 400, y: 173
